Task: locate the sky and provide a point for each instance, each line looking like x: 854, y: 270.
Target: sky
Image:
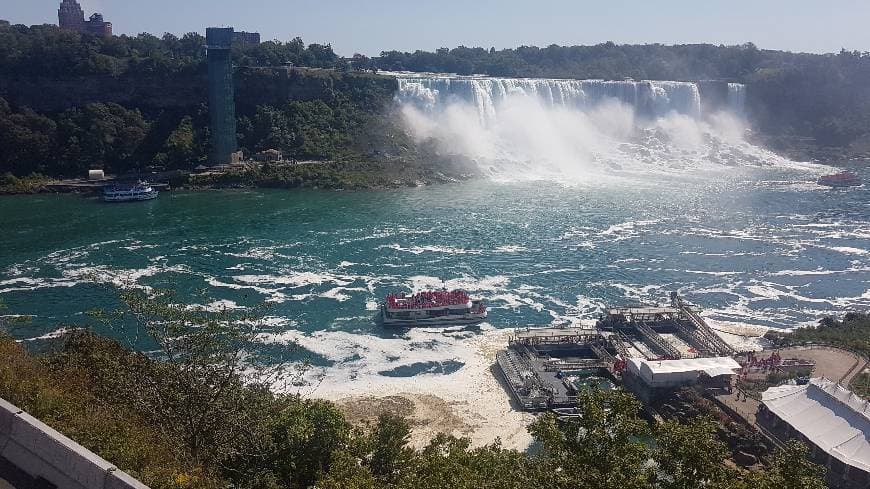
x: 372, y: 26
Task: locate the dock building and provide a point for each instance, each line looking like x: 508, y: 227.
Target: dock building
x: 831, y: 420
x: 649, y: 380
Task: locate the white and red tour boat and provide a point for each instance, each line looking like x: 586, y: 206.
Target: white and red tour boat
x: 432, y: 308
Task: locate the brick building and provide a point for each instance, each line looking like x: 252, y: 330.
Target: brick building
x: 71, y: 16
x: 242, y: 37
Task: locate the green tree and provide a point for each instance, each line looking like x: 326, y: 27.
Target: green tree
x: 790, y: 467
x: 689, y: 455
x: 390, y: 454
x: 208, y: 390
x: 306, y: 434
x: 602, y: 448
x: 180, y: 147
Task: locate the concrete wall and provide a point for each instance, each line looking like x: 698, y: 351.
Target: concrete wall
x: 43, y: 453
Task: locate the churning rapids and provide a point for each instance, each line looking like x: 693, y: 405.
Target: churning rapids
x: 602, y: 193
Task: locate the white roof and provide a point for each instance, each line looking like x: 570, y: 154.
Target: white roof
x: 714, y: 364
x: 662, y: 372
x: 829, y: 415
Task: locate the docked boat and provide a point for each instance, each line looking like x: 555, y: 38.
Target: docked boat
x: 842, y: 179
x: 129, y: 193
x: 432, y: 308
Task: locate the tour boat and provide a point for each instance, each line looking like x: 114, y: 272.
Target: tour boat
x: 842, y: 179
x: 129, y: 193
x: 432, y: 308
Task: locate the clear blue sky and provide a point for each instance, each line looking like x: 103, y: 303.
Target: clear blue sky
x: 370, y: 26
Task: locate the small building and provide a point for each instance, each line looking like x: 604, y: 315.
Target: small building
x: 96, y: 175
x: 270, y: 155
x: 830, y: 419
x: 650, y: 379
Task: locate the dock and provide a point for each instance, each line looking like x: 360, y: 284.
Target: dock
x: 542, y: 365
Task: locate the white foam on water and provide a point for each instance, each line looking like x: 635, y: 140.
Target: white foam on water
x: 472, y: 391
x: 419, y: 250
x: 468, y: 283
x: 292, y: 280
x: 50, y: 335
x: 121, y: 278
x: 511, y: 249
x: 22, y: 284
x: 626, y: 228
x: 850, y: 250
x: 273, y: 295
x: 215, y: 306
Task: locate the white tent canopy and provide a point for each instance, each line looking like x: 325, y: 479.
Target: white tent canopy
x: 829, y: 415
x: 668, y: 373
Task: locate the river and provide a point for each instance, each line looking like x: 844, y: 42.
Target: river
x: 752, y: 246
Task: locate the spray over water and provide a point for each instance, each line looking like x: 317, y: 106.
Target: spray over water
x: 579, y: 130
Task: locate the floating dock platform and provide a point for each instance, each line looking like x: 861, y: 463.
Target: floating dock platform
x: 545, y: 367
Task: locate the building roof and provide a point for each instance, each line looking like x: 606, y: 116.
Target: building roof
x: 829, y: 415
x: 668, y: 372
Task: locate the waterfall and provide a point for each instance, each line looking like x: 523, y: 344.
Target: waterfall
x: 647, y: 98
x: 736, y: 101
x: 578, y: 130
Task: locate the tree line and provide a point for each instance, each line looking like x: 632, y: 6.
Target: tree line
x: 46, y: 50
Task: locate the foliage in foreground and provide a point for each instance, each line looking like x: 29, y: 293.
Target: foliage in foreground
x: 191, y: 420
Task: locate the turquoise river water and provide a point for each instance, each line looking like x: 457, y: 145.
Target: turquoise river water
x: 763, y: 247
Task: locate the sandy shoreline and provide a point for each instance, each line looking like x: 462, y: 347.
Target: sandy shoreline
x: 470, y: 402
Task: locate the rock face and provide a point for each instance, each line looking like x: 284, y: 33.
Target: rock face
x: 277, y: 86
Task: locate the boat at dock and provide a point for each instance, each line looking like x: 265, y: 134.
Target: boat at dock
x: 129, y: 193
x: 432, y: 308
x: 842, y: 179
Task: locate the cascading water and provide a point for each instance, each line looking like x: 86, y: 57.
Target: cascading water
x: 736, y: 99
x: 579, y: 130
x: 647, y: 98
